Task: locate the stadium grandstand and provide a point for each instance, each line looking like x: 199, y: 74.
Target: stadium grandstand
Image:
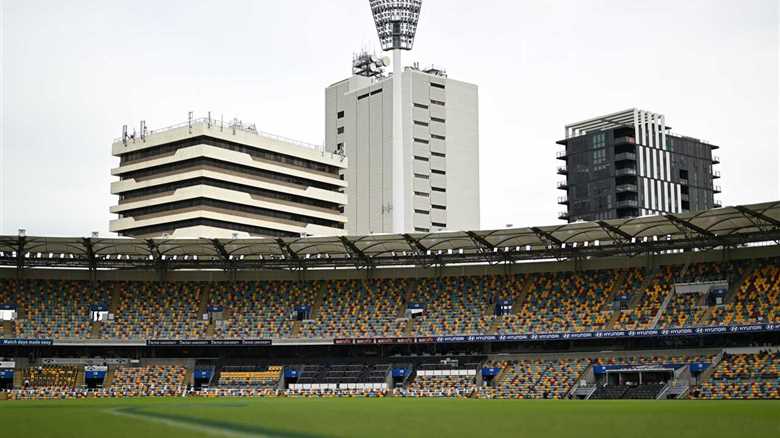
x: 664, y: 307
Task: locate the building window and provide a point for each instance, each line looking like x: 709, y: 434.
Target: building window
x: 340, y: 115
x: 439, y: 154
x: 419, y: 140
x: 376, y: 91
x: 599, y: 156
x: 438, y: 137
x: 438, y: 172
x: 419, y: 123
x: 420, y: 105
x: 436, y: 119
x: 420, y: 175
x: 435, y: 85
x: 438, y: 207
x: 437, y: 102
x: 423, y: 194
x: 340, y: 130
x: 362, y: 96
x: 439, y: 225
x: 417, y: 157
x: 439, y: 189
x: 421, y: 211
x: 599, y: 142
x: 421, y: 230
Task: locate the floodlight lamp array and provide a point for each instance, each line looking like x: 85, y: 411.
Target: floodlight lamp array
x: 396, y: 22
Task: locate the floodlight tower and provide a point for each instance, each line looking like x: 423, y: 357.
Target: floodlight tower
x: 396, y: 25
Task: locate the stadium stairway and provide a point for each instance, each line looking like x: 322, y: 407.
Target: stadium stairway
x: 617, y: 289
x: 95, y: 331
x: 204, y: 297
x: 662, y: 309
x: 317, y: 305
x: 80, y: 378
x: 517, y: 306
x: 734, y: 286
x: 705, y: 375
x: 493, y: 329
x: 5, y: 329
x: 18, y: 378
x: 189, y: 368
x: 296, y: 329
x: 109, y: 377
x: 409, y: 328
x: 116, y: 299
x: 409, y: 287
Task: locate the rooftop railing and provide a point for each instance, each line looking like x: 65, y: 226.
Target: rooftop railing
x: 233, y: 125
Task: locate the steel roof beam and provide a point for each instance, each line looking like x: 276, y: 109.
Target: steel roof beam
x: 756, y: 215
x: 545, y: 236
x: 611, y: 229
x: 680, y: 222
x: 90, y: 253
x: 288, y: 251
x: 415, y: 244
x: 355, y: 251
x: 481, y: 240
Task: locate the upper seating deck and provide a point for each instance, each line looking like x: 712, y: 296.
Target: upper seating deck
x: 542, y: 302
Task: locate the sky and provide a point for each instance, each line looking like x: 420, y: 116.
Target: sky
x: 72, y: 73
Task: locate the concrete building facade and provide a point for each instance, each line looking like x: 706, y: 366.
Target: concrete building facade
x: 629, y: 164
x: 204, y: 178
x: 440, y: 133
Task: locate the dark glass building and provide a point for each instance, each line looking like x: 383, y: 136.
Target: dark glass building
x: 629, y: 164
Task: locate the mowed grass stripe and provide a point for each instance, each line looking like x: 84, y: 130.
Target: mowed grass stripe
x: 216, y: 427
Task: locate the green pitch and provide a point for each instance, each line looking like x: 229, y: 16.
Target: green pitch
x: 438, y: 418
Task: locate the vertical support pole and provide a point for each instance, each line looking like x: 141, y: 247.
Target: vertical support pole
x: 398, y: 211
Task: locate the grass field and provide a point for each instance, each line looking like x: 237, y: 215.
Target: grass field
x: 170, y: 418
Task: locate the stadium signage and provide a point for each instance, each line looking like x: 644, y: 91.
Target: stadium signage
x: 207, y: 342
x: 25, y: 342
x: 532, y: 337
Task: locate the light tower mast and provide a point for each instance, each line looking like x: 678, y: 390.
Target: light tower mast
x: 396, y: 25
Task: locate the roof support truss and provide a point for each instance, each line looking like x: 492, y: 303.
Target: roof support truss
x: 289, y: 253
x: 353, y: 250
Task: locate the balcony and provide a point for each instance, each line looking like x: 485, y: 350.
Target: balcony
x: 562, y: 170
x: 715, y: 174
x: 625, y: 156
x: 564, y: 215
x: 563, y: 200
x: 560, y: 155
x: 629, y: 203
x: 563, y: 185
x: 626, y: 171
x: 715, y: 159
x: 626, y: 188
x: 716, y: 189
x: 624, y: 140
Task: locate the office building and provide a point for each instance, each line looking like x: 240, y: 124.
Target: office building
x: 630, y: 164
x: 206, y: 178
x: 439, y: 145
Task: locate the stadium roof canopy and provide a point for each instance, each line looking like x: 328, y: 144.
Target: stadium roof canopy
x: 718, y: 228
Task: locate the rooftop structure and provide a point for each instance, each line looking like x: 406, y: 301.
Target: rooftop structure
x: 208, y: 178
x: 628, y: 164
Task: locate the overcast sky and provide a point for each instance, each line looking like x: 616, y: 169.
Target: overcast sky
x: 74, y: 72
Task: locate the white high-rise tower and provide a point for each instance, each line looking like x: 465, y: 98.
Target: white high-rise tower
x: 396, y: 25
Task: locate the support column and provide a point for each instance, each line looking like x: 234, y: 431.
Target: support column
x: 399, y: 210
